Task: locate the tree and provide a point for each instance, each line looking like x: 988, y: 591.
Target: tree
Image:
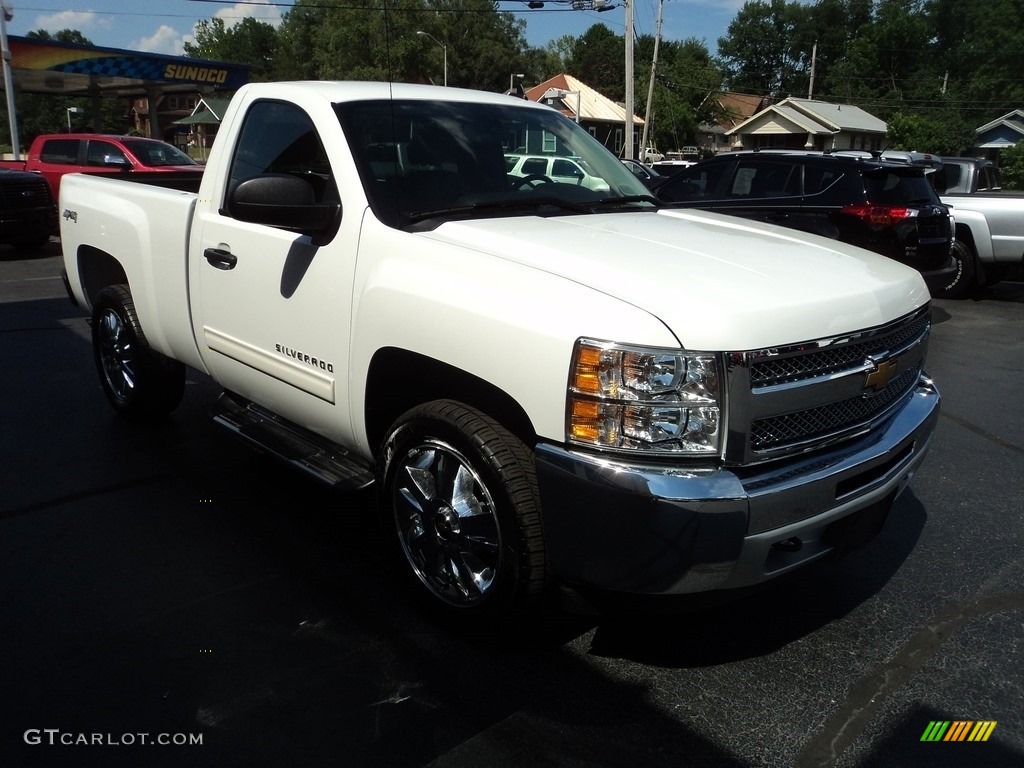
x: 760, y: 51
x: 1012, y: 166
x: 328, y: 39
x: 942, y: 134
x: 250, y: 42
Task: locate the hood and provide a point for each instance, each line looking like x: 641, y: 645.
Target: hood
x: 719, y: 283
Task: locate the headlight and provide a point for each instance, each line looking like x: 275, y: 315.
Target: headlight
x: 643, y: 399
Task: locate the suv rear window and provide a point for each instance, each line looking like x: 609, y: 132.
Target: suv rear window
x: 889, y: 188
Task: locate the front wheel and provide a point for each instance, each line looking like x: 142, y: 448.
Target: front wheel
x: 139, y: 382
x: 459, y: 495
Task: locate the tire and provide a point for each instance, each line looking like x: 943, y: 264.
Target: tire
x: 963, y: 280
x: 460, y: 499
x: 141, y: 384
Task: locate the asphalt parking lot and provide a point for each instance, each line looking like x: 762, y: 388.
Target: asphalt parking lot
x: 170, y: 598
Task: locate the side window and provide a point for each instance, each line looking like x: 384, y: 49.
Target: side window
x: 60, y: 151
x: 566, y: 168
x: 101, y: 153
x: 534, y: 165
x: 817, y: 180
x: 278, y: 137
x: 760, y: 179
x: 697, y: 183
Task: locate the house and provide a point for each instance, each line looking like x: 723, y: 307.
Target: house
x: 731, y: 110
x: 602, y: 117
x: 201, y: 126
x: 809, y: 124
x: 1001, y: 133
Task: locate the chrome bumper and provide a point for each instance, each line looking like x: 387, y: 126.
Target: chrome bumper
x: 662, y: 529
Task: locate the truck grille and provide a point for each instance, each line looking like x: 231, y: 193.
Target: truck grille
x: 828, y: 419
x: 23, y: 192
x: 791, y: 399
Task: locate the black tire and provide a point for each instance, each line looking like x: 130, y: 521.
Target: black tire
x: 141, y: 384
x: 459, y: 496
x: 964, y: 279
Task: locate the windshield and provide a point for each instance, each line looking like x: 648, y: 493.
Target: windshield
x: 423, y: 162
x: 157, y: 153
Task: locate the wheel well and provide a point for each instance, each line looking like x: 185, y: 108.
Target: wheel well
x: 390, y: 394
x: 964, y: 235
x: 98, y: 269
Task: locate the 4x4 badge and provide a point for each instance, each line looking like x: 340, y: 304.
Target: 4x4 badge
x: 879, y: 377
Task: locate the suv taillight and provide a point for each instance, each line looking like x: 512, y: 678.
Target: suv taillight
x: 879, y: 215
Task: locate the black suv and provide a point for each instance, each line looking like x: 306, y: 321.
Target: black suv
x: 886, y: 207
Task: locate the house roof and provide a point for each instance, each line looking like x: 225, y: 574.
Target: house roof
x: 810, y: 116
x: 592, y: 105
x: 1002, y: 132
x: 217, y: 106
x: 1012, y: 120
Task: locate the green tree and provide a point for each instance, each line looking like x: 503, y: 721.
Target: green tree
x: 1011, y: 163
x: 598, y: 58
x: 941, y: 134
x: 251, y: 42
x: 761, y: 52
x: 328, y: 39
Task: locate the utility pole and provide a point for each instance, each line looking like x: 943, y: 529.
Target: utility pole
x: 628, y: 149
x: 650, y: 87
x: 814, y: 60
x: 7, y: 14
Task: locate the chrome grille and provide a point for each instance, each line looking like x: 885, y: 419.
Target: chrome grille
x: 786, y: 400
x: 834, y: 358
x: 819, y: 422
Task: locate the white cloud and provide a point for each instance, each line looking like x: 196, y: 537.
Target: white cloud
x: 166, y: 39
x: 77, y: 20
x: 259, y: 11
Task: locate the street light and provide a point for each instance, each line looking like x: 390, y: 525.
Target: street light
x: 76, y: 110
x: 421, y: 33
x: 560, y: 93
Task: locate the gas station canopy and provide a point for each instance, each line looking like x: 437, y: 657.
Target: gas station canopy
x: 68, y: 69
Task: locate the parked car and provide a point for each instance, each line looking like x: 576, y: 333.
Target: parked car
x: 553, y: 168
x: 54, y: 154
x: 644, y: 172
x: 989, y: 223
x: 885, y: 206
x: 28, y: 215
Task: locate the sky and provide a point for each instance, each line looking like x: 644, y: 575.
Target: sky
x: 163, y: 26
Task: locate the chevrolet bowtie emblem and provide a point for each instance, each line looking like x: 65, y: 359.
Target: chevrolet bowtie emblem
x: 878, y: 378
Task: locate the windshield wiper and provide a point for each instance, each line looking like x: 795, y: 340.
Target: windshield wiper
x: 496, y: 205
x: 629, y: 199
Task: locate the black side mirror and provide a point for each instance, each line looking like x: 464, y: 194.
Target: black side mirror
x: 287, y: 202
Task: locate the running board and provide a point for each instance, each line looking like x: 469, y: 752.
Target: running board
x: 304, y: 450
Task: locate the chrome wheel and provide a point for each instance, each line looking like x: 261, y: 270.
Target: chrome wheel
x: 116, y: 349
x: 447, y: 523
x: 139, y: 382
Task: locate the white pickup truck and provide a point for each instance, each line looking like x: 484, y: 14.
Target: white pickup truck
x: 557, y: 390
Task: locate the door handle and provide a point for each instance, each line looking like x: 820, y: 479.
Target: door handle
x: 220, y: 259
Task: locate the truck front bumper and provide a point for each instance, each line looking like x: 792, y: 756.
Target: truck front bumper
x: 667, y: 529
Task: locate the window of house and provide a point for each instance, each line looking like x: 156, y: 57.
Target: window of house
x: 550, y: 143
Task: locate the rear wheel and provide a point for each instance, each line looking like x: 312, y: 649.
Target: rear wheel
x: 460, y: 498
x: 963, y: 280
x: 140, y: 383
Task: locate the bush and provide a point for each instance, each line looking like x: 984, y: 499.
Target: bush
x: 1011, y: 166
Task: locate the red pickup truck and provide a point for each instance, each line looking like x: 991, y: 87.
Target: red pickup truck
x: 54, y: 154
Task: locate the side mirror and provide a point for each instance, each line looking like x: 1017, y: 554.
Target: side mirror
x: 116, y: 161
x: 286, y: 202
